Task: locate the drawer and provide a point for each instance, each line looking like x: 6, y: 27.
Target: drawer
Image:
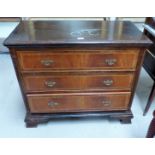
x: 54, y: 103
x: 88, y: 60
x: 105, y: 82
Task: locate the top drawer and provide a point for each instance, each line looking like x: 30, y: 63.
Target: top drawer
x: 82, y: 60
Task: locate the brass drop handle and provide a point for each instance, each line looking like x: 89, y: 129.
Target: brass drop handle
x: 53, y: 104
x: 110, y: 62
x: 106, y: 103
x: 47, y: 62
x: 107, y: 82
x: 50, y: 83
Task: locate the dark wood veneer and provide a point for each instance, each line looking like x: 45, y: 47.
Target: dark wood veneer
x: 53, y: 33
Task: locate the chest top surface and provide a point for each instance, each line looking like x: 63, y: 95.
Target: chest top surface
x: 67, y: 32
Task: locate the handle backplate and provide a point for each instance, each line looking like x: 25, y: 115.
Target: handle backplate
x: 50, y: 84
x: 47, y: 62
x: 107, y: 82
x: 106, y: 103
x: 53, y: 104
x: 111, y: 61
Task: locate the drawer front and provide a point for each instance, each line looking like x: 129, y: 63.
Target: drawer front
x: 54, y: 103
x: 105, y: 60
x: 77, y: 82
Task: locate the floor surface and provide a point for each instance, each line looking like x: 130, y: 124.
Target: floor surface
x: 12, y: 113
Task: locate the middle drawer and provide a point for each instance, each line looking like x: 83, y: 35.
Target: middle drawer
x: 45, y: 83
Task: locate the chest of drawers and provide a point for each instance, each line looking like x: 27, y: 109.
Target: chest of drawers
x: 77, y: 68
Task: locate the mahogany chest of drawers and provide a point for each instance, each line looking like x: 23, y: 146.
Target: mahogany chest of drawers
x: 77, y: 68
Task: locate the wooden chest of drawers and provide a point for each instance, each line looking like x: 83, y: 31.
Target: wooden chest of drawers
x: 77, y: 68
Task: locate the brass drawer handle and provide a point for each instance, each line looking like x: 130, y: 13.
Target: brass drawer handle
x: 110, y: 62
x: 106, y: 103
x: 107, y: 82
x: 50, y: 83
x: 53, y: 104
x: 47, y: 62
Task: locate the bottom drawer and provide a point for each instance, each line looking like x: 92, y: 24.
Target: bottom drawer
x: 54, y: 103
